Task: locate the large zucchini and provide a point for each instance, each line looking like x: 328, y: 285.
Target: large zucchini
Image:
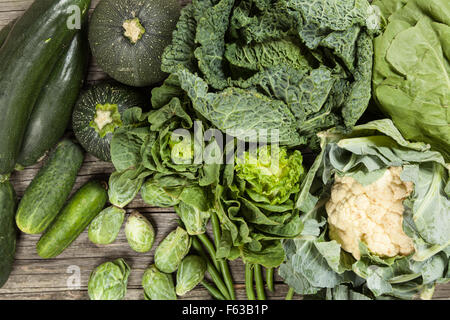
x: 53, y: 109
x: 7, y: 230
x: 34, y: 45
x: 73, y: 219
x: 5, y: 31
x: 49, y: 190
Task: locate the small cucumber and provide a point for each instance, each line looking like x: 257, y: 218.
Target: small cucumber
x: 81, y: 209
x: 49, y: 190
x: 7, y: 230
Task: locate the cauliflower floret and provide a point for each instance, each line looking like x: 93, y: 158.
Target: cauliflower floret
x: 372, y: 214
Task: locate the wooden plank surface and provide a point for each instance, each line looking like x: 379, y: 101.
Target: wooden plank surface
x: 66, y: 276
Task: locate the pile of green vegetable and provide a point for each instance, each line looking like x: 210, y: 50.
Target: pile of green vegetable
x: 42, y: 69
x: 241, y: 91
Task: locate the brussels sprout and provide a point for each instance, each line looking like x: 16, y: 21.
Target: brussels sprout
x: 109, y: 281
x: 106, y: 226
x: 172, y: 250
x: 139, y: 232
x: 158, y: 285
x: 190, y: 273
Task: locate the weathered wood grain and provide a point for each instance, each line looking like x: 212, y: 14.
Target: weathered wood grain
x: 133, y: 293
x: 34, y: 278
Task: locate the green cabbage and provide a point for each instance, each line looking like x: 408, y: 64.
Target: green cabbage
x: 297, y: 66
x: 411, y: 77
x: 316, y: 263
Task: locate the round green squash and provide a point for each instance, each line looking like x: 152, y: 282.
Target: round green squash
x: 128, y: 38
x: 98, y: 113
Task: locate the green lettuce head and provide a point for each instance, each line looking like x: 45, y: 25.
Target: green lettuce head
x: 399, y: 191
x: 255, y: 204
x: 271, y: 176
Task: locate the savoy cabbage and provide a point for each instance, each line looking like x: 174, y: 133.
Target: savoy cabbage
x: 299, y: 66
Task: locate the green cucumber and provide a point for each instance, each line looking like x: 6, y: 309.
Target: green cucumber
x: 5, y: 31
x: 73, y: 219
x: 7, y: 230
x: 49, y: 190
x: 35, y: 44
x: 53, y: 110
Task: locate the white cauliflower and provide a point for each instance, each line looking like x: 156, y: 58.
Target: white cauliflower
x: 372, y: 214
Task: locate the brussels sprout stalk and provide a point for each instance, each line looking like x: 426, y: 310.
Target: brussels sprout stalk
x: 249, y: 282
x: 215, y: 275
x: 215, y: 293
x: 223, y: 263
x: 259, y: 283
x: 290, y: 294
x: 269, y: 279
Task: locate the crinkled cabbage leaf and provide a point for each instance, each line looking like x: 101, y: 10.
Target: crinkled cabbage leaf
x: 297, y: 66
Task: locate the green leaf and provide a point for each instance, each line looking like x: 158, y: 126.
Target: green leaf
x: 124, y: 186
x: 241, y: 113
x: 126, y: 146
x: 210, y: 35
x: 194, y: 209
x: 181, y: 51
x: 163, y: 192
x: 411, y: 70
x: 271, y: 254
